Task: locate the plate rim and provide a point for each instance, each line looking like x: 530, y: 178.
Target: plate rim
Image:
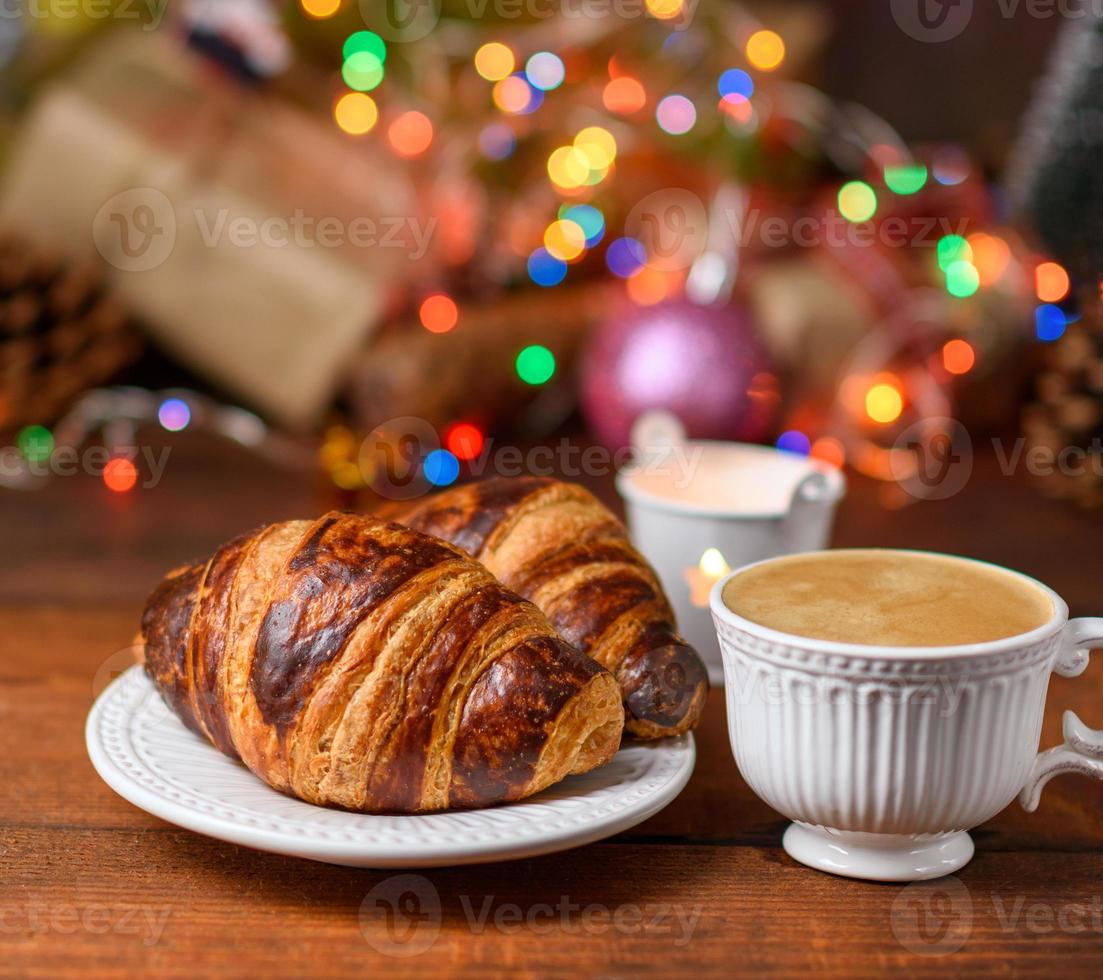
x: 368, y: 854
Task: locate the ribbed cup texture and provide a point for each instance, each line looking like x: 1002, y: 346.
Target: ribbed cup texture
x: 881, y: 745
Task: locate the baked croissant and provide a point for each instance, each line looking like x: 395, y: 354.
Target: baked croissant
x: 360, y: 664
x: 557, y: 545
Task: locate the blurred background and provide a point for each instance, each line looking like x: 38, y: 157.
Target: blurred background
x: 361, y: 247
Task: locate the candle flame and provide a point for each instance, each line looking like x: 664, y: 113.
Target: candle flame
x: 713, y: 564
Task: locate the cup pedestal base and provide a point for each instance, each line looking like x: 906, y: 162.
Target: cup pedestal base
x: 878, y: 857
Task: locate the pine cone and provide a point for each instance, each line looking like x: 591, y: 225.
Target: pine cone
x: 61, y: 332
x: 1068, y: 411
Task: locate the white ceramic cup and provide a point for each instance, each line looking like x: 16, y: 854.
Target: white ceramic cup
x: 884, y: 757
x: 728, y: 503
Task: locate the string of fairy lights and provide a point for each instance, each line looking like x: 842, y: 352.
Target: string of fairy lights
x: 522, y: 79
x: 581, y: 168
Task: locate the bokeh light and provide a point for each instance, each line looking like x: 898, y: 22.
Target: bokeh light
x: 794, y: 441
x: 830, y: 450
x: 905, y: 179
x: 765, y: 50
x: 174, y: 414
x: 958, y: 356
x: 951, y: 166
x: 362, y: 71
x: 1050, y: 322
x: 624, y: 95
x: 516, y: 96
x: 991, y: 256
x: 410, y: 134
x: 1052, y: 282
x: 664, y: 9
x: 676, y: 115
x: 565, y: 239
x: 857, y: 201
x: 464, y: 440
x: 441, y: 468
x: 650, y: 286
x: 545, y: 70
x: 535, y: 365
x: 588, y: 218
x: 545, y: 269
x: 365, y: 41
x: 625, y: 257
x: 735, y: 85
x: 568, y: 167
x: 598, y: 146
x: 962, y: 279
x: 320, y: 9
x: 951, y: 249
x: 494, y: 61
x: 884, y: 403
x: 496, y: 141
x: 439, y: 313
x: 36, y: 443
x: 356, y: 113
x: 120, y: 475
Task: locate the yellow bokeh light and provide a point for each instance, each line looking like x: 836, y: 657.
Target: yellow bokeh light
x: 765, y: 50
x: 598, y: 145
x: 494, y: 61
x: 356, y: 113
x: 565, y: 239
x: 320, y: 8
x: 664, y: 9
x: 884, y: 403
x: 568, y: 167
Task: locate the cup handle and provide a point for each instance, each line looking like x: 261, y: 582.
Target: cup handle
x: 1083, y: 748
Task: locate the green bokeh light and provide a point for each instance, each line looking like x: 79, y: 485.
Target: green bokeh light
x: 951, y: 249
x: 362, y: 71
x: 962, y: 279
x: 535, y: 365
x: 36, y: 443
x: 366, y: 42
x: 906, y: 179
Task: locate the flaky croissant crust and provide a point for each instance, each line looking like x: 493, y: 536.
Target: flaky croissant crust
x: 356, y: 663
x: 556, y: 544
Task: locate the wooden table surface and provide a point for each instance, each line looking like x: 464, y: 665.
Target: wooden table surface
x: 90, y: 884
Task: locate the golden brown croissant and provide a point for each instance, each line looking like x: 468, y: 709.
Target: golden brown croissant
x: 360, y: 664
x: 558, y: 545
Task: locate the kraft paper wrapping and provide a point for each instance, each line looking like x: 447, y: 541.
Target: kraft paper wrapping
x: 174, y: 178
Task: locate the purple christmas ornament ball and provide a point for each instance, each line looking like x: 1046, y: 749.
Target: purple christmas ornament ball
x: 705, y: 364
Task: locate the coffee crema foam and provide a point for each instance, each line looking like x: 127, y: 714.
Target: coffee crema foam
x: 888, y: 598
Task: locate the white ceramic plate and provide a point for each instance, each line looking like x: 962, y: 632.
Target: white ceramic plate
x: 148, y: 757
